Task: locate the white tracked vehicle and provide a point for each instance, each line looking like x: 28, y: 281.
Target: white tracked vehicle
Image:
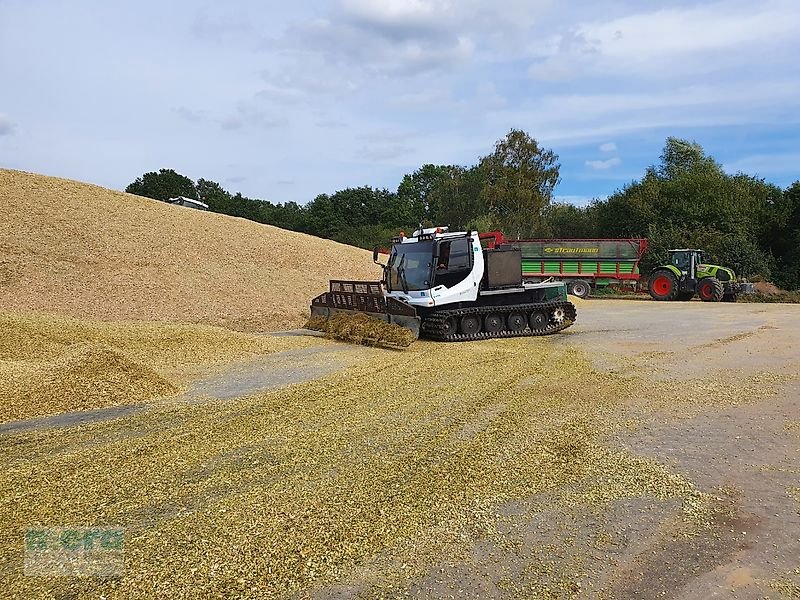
x: 445, y: 286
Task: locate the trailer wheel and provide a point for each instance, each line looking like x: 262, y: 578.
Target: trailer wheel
x: 729, y: 298
x: 517, y: 321
x: 579, y: 288
x: 493, y: 323
x: 470, y: 324
x: 539, y: 320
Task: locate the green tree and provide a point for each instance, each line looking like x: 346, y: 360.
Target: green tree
x: 419, y: 189
x: 214, y: 195
x: 687, y: 200
x: 163, y: 185
x: 782, y: 237
x: 519, y: 180
x: 562, y: 220
x: 456, y: 201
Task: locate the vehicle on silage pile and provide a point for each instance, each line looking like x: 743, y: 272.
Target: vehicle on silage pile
x: 445, y: 286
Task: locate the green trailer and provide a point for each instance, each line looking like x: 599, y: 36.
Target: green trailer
x: 583, y: 264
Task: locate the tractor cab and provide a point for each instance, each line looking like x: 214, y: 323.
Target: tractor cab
x: 686, y: 261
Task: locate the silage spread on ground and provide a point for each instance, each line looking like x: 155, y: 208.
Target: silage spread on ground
x: 359, y: 328
x: 51, y: 364
x: 84, y: 376
x: 369, y: 476
x: 82, y: 250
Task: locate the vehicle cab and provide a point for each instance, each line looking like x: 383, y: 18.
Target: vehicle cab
x: 434, y: 266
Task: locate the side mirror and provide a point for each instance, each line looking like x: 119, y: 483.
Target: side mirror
x: 375, y: 252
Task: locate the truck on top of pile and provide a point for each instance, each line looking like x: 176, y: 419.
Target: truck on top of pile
x: 583, y: 264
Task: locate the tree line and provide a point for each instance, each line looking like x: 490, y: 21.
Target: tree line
x: 685, y: 200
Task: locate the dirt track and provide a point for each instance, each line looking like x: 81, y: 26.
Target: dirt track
x: 708, y: 391
x: 748, y: 454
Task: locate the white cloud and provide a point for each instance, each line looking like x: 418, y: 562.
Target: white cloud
x: 608, y: 147
x: 673, y: 41
x: 602, y: 165
x: 415, y: 13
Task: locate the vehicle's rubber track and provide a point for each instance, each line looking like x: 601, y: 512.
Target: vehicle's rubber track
x: 434, y: 326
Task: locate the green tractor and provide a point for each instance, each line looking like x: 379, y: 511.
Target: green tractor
x: 687, y: 274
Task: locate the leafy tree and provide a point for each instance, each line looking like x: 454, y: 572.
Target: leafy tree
x: 688, y: 200
x: 214, y: 195
x: 520, y: 177
x: 418, y: 190
x: 456, y: 201
x: 163, y: 185
x: 680, y: 156
x: 563, y: 220
x: 782, y: 237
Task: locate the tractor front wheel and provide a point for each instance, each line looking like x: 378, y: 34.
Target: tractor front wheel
x: 710, y: 289
x: 663, y: 285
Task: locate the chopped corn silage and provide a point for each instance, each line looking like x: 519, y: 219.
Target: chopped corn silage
x: 82, y: 250
x: 84, y: 376
x: 398, y: 456
x: 51, y: 364
x: 359, y: 328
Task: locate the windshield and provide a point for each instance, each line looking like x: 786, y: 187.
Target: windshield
x: 410, y: 266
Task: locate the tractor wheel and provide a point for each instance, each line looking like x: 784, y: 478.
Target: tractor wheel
x: 685, y: 296
x: 663, y: 285
x: 729, y: 298
x: 710, y: 289
x: 579, y: 288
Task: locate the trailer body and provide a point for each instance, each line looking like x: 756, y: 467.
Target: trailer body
x: 597, y: 262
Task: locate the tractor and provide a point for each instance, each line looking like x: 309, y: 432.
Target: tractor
x: 687, y: 274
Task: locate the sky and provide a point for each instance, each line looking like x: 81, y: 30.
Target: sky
x: 286, y: 100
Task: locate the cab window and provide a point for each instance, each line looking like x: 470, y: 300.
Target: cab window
x: 454, y: 262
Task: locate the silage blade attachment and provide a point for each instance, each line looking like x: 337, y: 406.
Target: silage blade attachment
x: 365, y: 297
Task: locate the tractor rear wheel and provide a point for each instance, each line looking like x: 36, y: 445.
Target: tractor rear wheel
x: 663, y: 285
x: 710, y: 289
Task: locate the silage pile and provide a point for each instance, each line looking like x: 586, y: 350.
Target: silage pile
x: 51, y: 364
x: 82, y: 250
x: 84, y: 376
x: 359, y: 328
